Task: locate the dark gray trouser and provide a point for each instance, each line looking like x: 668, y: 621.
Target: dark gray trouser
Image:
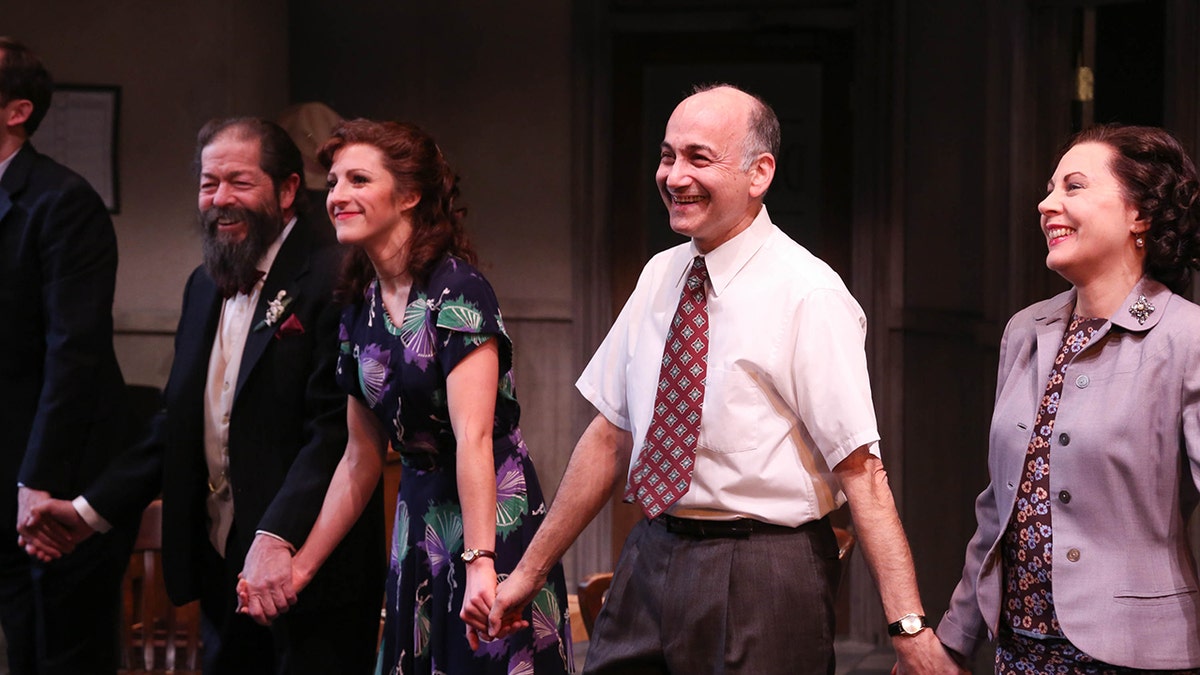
x: 760, y: 604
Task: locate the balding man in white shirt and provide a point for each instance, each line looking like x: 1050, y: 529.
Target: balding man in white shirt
x: 743, y: 444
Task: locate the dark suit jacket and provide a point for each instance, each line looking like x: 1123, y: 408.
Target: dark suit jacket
x: 287, y: 431
x: 62, y: 389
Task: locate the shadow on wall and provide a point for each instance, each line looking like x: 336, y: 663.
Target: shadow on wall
x: 1194, y: 535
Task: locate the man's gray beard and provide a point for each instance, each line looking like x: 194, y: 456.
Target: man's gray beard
x: 234, y: 265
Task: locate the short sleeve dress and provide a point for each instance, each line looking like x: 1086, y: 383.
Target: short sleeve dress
x: 399, y: 371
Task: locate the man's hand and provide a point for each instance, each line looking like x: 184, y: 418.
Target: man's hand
x: 923, y: 653
x: 512, y: 596
x: 42, y: 536
x: 265, y: 588
x: 54, y: 529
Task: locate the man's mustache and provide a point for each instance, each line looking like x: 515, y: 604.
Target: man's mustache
x: 233, y: 214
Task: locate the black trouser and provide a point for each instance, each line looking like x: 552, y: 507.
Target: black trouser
x: 64, y: 617
x: 306, y: 640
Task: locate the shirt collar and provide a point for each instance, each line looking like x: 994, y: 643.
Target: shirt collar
x: 726, y: 260
x: 1156, y: 296
x: 5, y: 162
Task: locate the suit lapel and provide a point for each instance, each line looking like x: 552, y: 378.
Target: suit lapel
x: 197, y: 331
x: 289, y: 267
x: 1050, y: 327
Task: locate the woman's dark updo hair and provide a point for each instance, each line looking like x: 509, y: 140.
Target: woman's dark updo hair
x: 1159, y: 180
x: 417, y: 165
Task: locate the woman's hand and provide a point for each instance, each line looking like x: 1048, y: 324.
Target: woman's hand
x: 303, y: 570
x: 477, y: 600
x: 924, y: 653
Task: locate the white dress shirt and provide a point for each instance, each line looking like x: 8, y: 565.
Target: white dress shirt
x: 787, y: 395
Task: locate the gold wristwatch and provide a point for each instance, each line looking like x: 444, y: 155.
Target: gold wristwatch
x: 472, y: 554
x: 908, y: 625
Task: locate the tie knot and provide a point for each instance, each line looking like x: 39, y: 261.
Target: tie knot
x: 698, y: 273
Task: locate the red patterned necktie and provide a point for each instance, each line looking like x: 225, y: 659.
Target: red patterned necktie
x: 664, y: 466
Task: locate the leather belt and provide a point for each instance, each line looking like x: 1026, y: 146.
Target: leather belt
x: 739, y: 527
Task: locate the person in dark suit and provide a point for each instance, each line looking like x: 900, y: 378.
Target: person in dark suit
x: 255, y: 424
x: 60, y: 406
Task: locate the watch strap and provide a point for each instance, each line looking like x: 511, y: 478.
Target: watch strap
x: 896, y: 628
x: 472, y: 554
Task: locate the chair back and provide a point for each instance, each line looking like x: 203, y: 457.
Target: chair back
x: 592, y: 592
x: 156, y: 636
x: 845, y: 542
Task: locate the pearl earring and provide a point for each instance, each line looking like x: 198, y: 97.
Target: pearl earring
x: 1139, y: 241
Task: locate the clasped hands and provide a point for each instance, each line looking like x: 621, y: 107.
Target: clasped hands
x: 269, y: 583
x: 492, y: 610
x: 48, y: 528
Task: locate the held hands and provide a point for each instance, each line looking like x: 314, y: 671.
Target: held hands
x: 923, y: 653
x: 48, y: 528
x: 477, y: 600
x: 512, y: 597
x: 267, y: 584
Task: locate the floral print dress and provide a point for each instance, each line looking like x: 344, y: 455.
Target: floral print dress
x: 399, y: 371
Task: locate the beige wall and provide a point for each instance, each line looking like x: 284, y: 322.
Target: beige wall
x: 178, y: 65
x: 492, y: 83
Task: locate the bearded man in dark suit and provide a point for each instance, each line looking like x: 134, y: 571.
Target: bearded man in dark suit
x: 254, y: 425
x: 61, y: 400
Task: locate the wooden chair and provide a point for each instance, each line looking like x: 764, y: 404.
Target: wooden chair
x: 156, y: 637
x: 592, y: 591
x: 845, y: 542
x: 594, y: 588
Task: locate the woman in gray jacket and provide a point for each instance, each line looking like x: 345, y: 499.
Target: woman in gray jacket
x: 1080, y: 562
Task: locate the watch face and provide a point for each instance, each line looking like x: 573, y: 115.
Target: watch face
x: 469, y: 555
x: 911, y: 624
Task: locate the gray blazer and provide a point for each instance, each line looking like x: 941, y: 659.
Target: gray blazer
x: 1126, y: 435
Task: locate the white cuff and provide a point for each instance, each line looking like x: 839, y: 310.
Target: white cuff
x: 89, y: 515
x: 275, y: 536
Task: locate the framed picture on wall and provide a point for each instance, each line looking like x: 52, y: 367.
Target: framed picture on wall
x: 80, y: 132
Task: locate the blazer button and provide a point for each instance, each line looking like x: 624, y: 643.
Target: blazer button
x: 1064, y: 497
x: 1082, y: 381
x: 1073, y: 555
x: 1064, y: 439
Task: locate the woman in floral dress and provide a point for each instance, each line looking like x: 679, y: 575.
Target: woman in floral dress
x: 428, y: 366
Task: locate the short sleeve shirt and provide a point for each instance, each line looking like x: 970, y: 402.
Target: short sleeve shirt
x: 787, y: 396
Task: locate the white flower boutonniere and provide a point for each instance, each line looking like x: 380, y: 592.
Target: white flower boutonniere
x: 275, y: 309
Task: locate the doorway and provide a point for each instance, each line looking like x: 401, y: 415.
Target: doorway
x: 805, y: 75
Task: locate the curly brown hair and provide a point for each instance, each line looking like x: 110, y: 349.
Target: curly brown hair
x: 1159, y: 179
x: 417, y: 165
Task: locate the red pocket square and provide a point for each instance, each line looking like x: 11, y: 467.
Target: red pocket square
x: 290, y: 327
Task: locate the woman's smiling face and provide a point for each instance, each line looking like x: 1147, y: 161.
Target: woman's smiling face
x: 1088, y: 223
